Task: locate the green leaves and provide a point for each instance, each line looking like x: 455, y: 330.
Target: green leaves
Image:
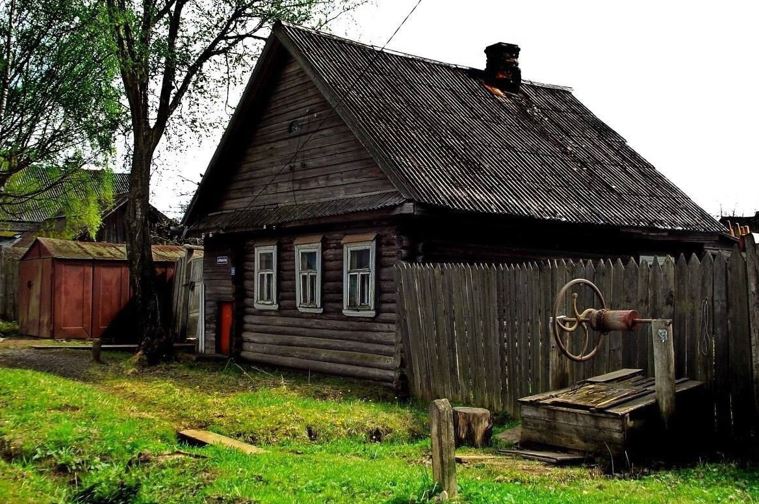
x: 59, y: 106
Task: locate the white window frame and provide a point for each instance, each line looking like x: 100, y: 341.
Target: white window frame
x: 266, y: 305
x: 369, y: 311
x: 309, y: 247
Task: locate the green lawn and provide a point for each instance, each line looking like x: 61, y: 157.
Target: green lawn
x: 107, y: 435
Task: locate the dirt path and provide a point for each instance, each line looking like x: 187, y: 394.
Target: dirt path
x: 18, y: 353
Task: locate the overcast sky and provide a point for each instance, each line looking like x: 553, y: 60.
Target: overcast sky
x: 677, y: 79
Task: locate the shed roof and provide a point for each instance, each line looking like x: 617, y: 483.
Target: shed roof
x: 101, y: 251
x: 445, y: 140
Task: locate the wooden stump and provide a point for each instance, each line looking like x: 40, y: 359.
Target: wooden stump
x: 472, y: 426
x: 443, y: 447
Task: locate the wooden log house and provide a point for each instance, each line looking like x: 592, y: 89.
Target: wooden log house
x: 340, y: 161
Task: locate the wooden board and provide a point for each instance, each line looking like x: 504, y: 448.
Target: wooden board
x: 602, y: 414
x: 202, y: 437
x: 549, y: 457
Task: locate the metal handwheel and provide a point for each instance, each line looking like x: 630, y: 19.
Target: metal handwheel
x: 569, y: 325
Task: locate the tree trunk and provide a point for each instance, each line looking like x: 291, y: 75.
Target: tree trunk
x: 472, y: 426
x: 154, y: 338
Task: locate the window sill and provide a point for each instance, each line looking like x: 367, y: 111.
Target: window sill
x: 310, y: 310
x: 260, y: 306
x: 359, y: 313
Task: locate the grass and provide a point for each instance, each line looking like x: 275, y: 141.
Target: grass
x: 109, y: 437
x: 8, y: 328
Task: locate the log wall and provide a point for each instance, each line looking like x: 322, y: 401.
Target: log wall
x: 328, y: 342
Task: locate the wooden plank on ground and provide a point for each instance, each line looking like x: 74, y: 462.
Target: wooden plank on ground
x: 202, y: 437
x: 549, y: 457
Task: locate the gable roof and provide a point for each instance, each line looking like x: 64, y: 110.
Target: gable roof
x: 447, y: 141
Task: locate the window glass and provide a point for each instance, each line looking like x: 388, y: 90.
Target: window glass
x: 359, y: 279
x: 266, y: 261
x: 266, y: 278
x: 359, y: 259
x: 352, y: 290
x: 308, y: 260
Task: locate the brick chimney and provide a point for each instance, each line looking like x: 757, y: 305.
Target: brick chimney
x: 502, y: 69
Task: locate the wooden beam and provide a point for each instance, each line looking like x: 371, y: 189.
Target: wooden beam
x: 201, y: 437
x: 443, y: 447
x: 664, y: 368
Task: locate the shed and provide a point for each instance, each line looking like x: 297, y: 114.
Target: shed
x: 71, y: 289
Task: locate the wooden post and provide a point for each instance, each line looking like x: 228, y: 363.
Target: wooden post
x: 443, y: 447
x: 664, y: 368
x: 96, y: 345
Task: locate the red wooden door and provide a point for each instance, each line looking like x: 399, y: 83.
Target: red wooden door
x: 110, y: 294
x: 73, y: 299
x: 226, y: 315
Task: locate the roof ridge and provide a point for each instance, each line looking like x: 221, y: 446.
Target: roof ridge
x: 409, y: 55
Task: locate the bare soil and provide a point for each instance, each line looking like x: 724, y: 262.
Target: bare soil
x: 18, y: 353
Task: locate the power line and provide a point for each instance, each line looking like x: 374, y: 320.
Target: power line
x: 238, y: 215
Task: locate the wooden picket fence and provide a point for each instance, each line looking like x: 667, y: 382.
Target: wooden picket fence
x: 9, y: 259
x: 481, y: 334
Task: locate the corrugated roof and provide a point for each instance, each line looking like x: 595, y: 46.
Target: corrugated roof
x: 40, y: 208
x: 101, y: 251
x: 268, y: 216
x: 445, y: 140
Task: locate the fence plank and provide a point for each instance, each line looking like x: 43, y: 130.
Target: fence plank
x: 616, y: 302
x: 545, y: 299
x: 494, y: 339
x: 705, y: 340
x: 511, y: 343
x: 693, y: 298
x: 462, y: 337
x: 723, y: 423
x: 681, y: 315
x: 444, y: 350
x: 559, y: 376
x: 752, y: 271
x: 643, y: 304
x: 739, y: 344
x: 630, y: 340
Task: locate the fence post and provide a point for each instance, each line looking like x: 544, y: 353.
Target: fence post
x: 664, y: 368
x: 443, y: 446
x: 752, y: 272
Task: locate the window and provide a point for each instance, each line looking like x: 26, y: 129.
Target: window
x: 308, y: 277
x: 358, y: 279
x: 266, y: 278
